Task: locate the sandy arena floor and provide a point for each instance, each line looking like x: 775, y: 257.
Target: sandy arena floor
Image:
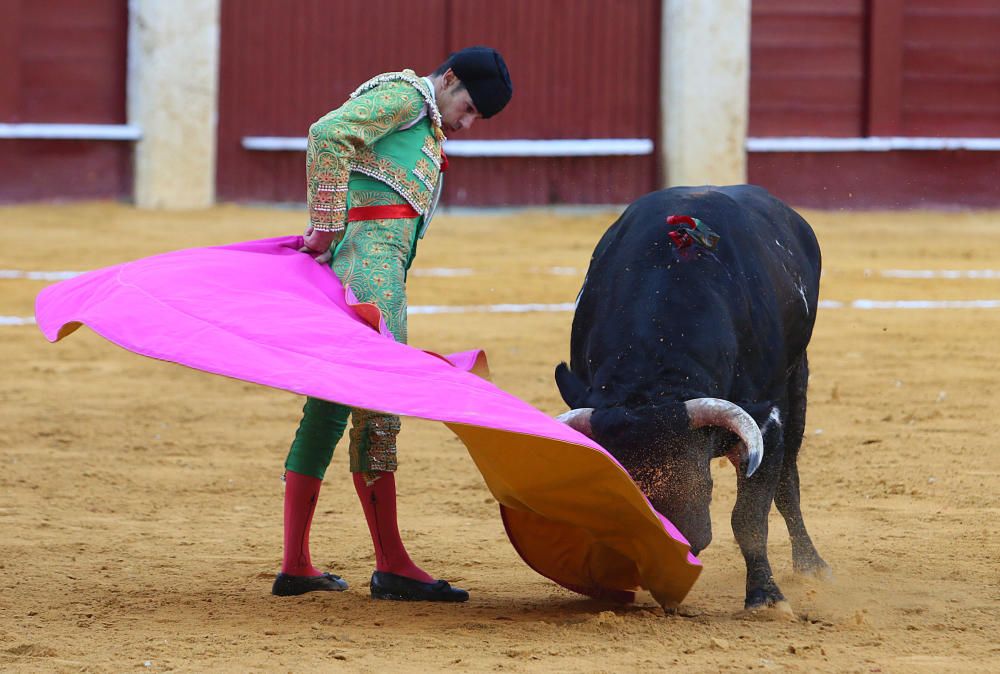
x: 140, y: 502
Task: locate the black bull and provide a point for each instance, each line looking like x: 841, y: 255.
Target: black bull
x: 659, y: 323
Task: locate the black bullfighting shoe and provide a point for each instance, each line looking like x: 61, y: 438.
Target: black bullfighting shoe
x: 289, y: 586
x: 386, y: 585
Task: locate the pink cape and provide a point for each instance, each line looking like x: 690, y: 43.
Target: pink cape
x: 262, y: 312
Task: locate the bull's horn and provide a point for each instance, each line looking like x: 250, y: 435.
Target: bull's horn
x: 578, y: 419
x: 717, y: 412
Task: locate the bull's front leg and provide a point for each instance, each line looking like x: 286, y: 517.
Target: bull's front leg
x: 749, y: 520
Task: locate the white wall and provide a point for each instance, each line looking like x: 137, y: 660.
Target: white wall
x: 173, y: 66
x: 704, y: 91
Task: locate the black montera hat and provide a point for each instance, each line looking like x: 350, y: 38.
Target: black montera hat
x: 483, y: 72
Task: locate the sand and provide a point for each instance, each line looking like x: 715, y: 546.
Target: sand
x: 140, y: 502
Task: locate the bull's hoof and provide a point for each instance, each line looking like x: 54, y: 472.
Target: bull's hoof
x: 764, y: 597
x: 815, y: 569
x: 767, y: 603
x: 780, y: 611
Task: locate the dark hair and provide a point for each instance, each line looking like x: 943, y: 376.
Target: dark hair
x: 442, y: 69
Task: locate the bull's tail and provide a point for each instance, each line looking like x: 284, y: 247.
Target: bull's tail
x: 571, y: 387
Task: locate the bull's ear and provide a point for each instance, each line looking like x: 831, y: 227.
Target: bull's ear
x: 571, y: 387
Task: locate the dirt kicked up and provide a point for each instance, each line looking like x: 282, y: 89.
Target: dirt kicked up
x: 140, y: 502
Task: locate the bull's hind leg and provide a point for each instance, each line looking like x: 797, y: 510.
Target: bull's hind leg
x: 805, y: 558
x: 749, y: 520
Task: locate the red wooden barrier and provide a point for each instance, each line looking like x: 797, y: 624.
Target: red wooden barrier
x: 580, y: 70
x: 285, y: 64
x: 876, y: 68
x: 807, y: 68
x: 950, y: 68
x: 63, y: 61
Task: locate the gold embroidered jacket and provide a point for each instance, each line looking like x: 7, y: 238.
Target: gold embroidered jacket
x: 389, y: 130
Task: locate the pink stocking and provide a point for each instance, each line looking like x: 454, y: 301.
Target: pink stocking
x: 301, y: 494
x: 379, y: 503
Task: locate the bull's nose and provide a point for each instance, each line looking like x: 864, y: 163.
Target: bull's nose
x: 699, y: 543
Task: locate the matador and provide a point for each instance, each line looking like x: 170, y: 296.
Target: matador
x: 374, y: 170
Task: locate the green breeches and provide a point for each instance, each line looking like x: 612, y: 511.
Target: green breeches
x: 372, y: 260
x: 372, y: 437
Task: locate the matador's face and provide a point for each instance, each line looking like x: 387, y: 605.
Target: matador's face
x: 458, y: 112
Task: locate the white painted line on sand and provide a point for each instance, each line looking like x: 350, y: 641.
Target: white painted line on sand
x: 452, y: 272
x: 38, y: 275
x: 443, y: 271
x: 557, y: 271
x: 418, y: 309
x: 491, y: 308
x: 926, y: 304
x: 570, y: 306
x: 938, y: 273
x: 865, y: 304
x: 440, y: 272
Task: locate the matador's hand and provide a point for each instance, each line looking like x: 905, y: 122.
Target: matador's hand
x: 317, y: 243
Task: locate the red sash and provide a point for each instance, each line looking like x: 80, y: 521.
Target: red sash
x: 391, y: 212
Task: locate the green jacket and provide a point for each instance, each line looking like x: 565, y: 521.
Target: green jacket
x: 389, y: 130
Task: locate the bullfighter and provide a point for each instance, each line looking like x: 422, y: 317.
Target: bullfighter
x: 373, y: 181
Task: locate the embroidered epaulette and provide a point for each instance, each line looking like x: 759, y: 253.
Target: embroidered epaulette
x: 410, y: 78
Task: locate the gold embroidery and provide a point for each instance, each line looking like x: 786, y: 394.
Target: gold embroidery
x: 375, y: 198
x: 353, y: 127
x: 413, y: 80
x: 423, y: 171
x: 393, y: 175
x: 373, y: 441
x: 341, y: 142
x: 433, y: 151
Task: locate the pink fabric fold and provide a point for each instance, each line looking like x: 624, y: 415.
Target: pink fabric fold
x: 262, y: 312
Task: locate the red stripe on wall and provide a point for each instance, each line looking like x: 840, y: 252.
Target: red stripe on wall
x: 283, y: 65
x: 951, y: 68
x: 858, y: 180
x: 885, y: 67
x: 580, y: 70
x: 807, y: 68
x: 64, y: 170
x: 10, y: 63
x: 63, y: 61
x: 72, y: 61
